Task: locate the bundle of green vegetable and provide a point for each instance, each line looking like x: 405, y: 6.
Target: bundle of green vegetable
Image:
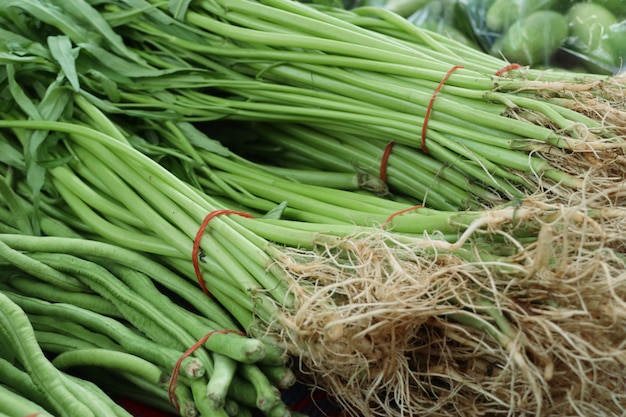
x: 365, y: 72
x: 110, y: 189
x: 342, y: 298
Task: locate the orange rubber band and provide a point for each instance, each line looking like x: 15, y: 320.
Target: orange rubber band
x: 397, y: 213
x: 432, y: 102
x: 171, y: 386
x: 507, y: 69
x: 195, y: 258
x: 384, y: 162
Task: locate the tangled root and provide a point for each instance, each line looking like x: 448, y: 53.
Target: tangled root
x: 501, y: 326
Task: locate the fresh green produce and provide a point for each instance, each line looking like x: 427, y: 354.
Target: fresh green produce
x: 504, y: 13
x: 404, y: 8
x: 213, y: 270
x: 591, y: 30
x: 486, y: 22
x: 237, y: 247
x: 360, y: 77
x: 533, y: 39
x: 615, y: 6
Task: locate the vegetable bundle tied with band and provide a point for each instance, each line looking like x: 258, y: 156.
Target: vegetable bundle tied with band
x: 493, y: 286
x: 364, y: 75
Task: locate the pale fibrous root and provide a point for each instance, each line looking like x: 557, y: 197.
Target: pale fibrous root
x: 592, y: 131
x: 526, y: 316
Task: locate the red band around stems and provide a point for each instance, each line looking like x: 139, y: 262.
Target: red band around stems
x: 507, y: 69
x: 432, y: 101
x: 195, y: 258
x: 397, y: 213
x: 385, y: 160
x: 171, y: 386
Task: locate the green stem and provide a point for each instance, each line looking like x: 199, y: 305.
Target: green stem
x: 39, y: 269
x: 13, y: 404
x: 21, y: 335
x: 110, y: 359
x: 19, y: 381
x: 44, y: 291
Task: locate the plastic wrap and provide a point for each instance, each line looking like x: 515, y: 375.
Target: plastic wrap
x: 579, y: 35
x: 585, y: 35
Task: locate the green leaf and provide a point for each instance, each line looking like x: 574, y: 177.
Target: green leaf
x: 90, y: 17
x: 21, y: 46
x: 20, y: 97
x: 178, y: 8
x: 62, y: 51
x: 11, y: 58
x: 114, y: 62
x: 201, y: 140
x: 54, y: 104
x: 52, y: 15
x: 11, y: 156
x: 277, y: 212
x: 124, y: 17
x: 107, y: 85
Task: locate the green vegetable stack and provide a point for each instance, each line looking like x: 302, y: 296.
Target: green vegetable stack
x: 201, y: 201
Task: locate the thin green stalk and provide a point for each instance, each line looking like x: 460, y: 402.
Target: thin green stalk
x: 19, y: 214
x: 19, y: 381
x: 135, y: 308
x: 52, y: 342
x: 110, y: 359
x: 285, y: 191
x: 267, y: 395
x: 326, y: 150
x: 98, y: 119
x: 99, y: 401
x: 44, y: 291
x: 250, y: 203
x: 95, y: 198
x: 131, y: 387
x: 303, y: 20
x: 39, y: 269
x: 238, y: 167
x: 238, y: 347
x: 21, y: 336
x: 74, y: 330
x: 113, y: 233
x: 158, y: 197
x: 248, y: 54
x: 203, y: 403
x: 133, y: 201
x: 534, y: 166
x: 13, y: 404
x: 164, y: 276
x: 220, y: 380
x: 117, y: 331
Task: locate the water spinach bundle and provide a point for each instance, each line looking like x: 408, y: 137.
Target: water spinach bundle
x: 364, y: 75
x: 439, y: 311
x: 113, y: 191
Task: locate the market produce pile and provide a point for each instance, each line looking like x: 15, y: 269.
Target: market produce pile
x: 206, y: 201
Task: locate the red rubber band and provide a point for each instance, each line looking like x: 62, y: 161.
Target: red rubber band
x: 384, y: 162
x: 171, y: 386
x: 432, y: 102
x: 507, y: 69
x: 195, y: 258
x: 397, y: 213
